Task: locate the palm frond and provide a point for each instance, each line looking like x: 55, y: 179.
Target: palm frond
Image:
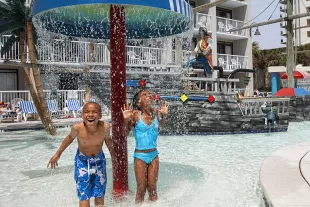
x: 4, y: 6
x: 9, y: 26
x: 17, y: 8
x: 7, y: 46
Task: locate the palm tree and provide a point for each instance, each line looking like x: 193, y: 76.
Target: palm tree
x: 18, y: 22
x: 260, y: 64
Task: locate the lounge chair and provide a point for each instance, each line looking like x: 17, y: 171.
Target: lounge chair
x: 26, y: 108
x: 74, y: 106
x: 53, y: 109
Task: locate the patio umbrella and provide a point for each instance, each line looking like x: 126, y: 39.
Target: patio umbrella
x: 297, y: 75
x: 292, y: 92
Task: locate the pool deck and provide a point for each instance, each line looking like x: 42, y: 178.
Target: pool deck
x: 285, y: 176
x: 26, y: 125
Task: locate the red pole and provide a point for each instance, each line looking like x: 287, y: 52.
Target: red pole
x: 118, y: 98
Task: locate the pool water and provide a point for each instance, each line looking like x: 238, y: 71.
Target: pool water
x: 195, y: 171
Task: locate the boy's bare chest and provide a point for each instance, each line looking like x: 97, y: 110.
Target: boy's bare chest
x: 87, y: 139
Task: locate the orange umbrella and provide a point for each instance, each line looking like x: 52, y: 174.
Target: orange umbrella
x: 297, y: 75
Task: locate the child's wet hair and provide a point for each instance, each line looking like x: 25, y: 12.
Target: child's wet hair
x: 136, y: 98
x: 94, y: 103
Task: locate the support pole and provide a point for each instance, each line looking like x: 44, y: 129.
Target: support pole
x: 290, y: 65
x: 118, y: 99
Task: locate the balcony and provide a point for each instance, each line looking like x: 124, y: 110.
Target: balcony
x: 232, y: 62
x: 224, y: 25
x: 203, y: 20
x: 78, y: 53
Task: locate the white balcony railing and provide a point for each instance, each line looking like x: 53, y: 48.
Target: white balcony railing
x: 232, y: 62
x: 203, y: 20
x: 60, y: 51
x: 225, y: 24
x: 13, y: 54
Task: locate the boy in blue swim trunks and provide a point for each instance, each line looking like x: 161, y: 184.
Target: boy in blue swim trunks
x: 145, y: 121
x: 90, y: 162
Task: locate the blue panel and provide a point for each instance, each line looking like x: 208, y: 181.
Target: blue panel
x: 274, y: 82
x: 132, y: 83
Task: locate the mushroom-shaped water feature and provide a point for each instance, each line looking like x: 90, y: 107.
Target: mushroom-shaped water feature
x: 106, y: 19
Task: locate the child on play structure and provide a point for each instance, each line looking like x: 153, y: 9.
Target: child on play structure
x: 90, y: 163
x: 145, y: 121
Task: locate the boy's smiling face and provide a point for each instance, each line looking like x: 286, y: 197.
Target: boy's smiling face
x: 91, y: 114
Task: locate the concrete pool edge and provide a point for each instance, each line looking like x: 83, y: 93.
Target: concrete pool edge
x: 285, y: 179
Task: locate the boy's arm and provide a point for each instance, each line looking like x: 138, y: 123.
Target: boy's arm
x: 65, y: 143
x: 107, y: 138
x: 68, y: 140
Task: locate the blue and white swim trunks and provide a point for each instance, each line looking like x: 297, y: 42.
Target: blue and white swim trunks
x: 90, y: 175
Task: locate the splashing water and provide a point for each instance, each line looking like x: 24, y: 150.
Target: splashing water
x: 194, y: 170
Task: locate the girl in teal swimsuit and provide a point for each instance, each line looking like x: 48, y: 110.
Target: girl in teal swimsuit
x: 145, y: 121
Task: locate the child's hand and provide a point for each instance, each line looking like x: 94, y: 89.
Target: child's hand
x: 53, y: 161
x: 163, y: 108
x: 127, y: 112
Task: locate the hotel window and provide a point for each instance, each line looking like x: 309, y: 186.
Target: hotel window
x: 225, y: 13
x: 308, y: 33
x: 308, y: 21
x: 225, y: 48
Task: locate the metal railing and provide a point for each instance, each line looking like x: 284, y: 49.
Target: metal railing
x: 253, y: 106
x: 232, y: 62
x: 209, y: 84
x: 12, y: 54
x: 225, y: 24
x: 303, y: 84
x: 61, y: 51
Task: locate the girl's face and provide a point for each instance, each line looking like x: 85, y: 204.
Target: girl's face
x: 145, y: 99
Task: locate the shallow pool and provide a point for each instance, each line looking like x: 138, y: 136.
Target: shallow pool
x: 195, y: 171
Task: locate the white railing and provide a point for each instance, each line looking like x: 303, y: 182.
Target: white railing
x: 209, y: 84
x: 225, y: 24
x: 59, y: 95
x: 302, y: 84
x: 232, y: 62
x: 79, y: 52
x: 203, y: 20
x: 146, y: 56
x: 13, y: 54
x: 61, y: 51
x: 252, y: 106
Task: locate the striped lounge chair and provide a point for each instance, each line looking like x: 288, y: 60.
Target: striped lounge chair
x: 53, y: 108
x: 74, y: 106
x: 26, y: 108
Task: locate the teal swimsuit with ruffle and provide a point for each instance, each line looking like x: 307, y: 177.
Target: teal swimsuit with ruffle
x: 146, y: 138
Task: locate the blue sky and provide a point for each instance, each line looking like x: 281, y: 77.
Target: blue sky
x: 270, y: 34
